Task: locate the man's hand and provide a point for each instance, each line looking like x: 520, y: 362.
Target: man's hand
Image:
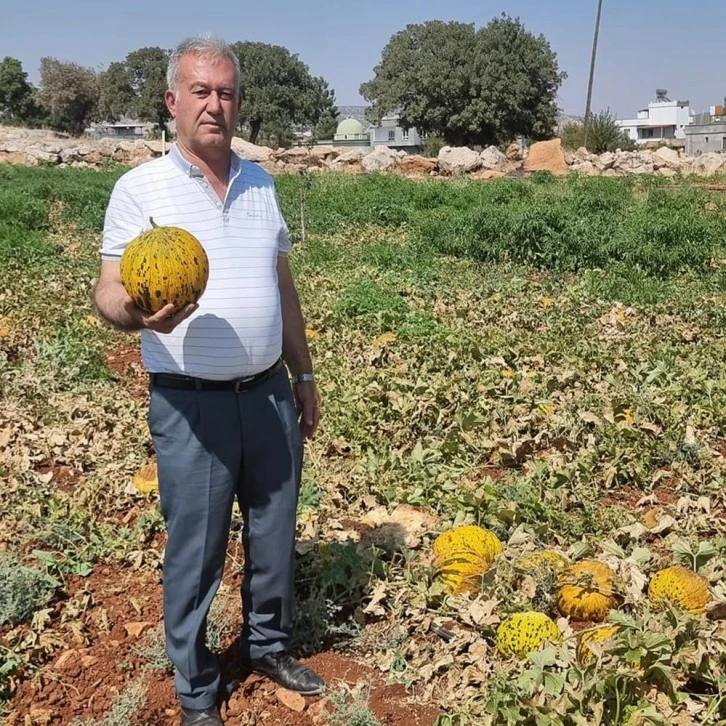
x: 307, y: 401
x: 163, y: 321
x: 118, y: 309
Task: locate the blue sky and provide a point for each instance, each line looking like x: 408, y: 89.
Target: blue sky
x: 644, y: 44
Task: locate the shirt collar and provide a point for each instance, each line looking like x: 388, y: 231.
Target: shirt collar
x: 193, y: 171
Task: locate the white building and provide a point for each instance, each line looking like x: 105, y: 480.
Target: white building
x: 663, y: 119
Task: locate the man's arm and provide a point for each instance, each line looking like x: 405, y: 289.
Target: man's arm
x: 295, y: 349
x: 117, y: 308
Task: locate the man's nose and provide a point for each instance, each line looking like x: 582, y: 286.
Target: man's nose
x: 214, y: 104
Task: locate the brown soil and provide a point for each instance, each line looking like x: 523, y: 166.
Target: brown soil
x: 125, y: 361
x: 628, y: 497
x: 102, y: 659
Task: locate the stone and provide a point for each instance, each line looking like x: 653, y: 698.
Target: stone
x: 670, y: 156
x: 14, y: 157
x: 380, y: 159
x: 546, y: 156
x: 584, y: 167
x: 582, y: 154
x: 458, y: 160
x: 708, y: 164
x: 493, y: 159
x: 348, y: 158
x: 488, y: 175
x: 251, y: 152
x: 514, y: 152
x: 605, y: 161
x: 416, y: 164
x: 156, y: 146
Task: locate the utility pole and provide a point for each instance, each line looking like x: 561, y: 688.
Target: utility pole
x: 592, y: 72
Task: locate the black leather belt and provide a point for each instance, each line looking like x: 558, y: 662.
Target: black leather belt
x: 238, y: 385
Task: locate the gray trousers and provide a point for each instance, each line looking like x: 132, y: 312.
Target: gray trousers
x: 212, y: 446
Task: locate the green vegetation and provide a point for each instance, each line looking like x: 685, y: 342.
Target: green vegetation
x: 542, y: 357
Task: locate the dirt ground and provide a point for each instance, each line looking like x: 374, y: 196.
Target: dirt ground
x: 123, y: 608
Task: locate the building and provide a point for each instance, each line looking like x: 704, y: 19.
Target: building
x: 351, y: 134
x: 389, y: 133
x: 662, y: 120
x: 121, y: 130
x: 707, y: 133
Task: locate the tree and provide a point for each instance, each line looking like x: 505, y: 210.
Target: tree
x: 148, y: 72
x: 17, y: 96
x: 425, y: 76
x: 278, y: 90
x: 326, y: 126
x: 117, y: 96
x: 473, y: 87
x: 70, y: 94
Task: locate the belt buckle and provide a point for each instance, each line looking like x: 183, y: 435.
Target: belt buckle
x: 238, y: 386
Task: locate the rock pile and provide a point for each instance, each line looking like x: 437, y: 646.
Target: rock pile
x: 33, y: 147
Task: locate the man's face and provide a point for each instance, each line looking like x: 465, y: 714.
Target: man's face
x: 206, y: 103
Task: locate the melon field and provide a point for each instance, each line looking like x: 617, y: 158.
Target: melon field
x: 541, y: 361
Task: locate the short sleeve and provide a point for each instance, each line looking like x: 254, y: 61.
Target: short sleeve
x: 124, y: 220
x: 283, y: 236
x: 283, y: 239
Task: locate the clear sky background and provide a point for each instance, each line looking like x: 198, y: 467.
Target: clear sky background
x: 644, y: 44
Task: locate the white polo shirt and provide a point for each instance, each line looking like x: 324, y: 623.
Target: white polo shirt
x: 237, y: 329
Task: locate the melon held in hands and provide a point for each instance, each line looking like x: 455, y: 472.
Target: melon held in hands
x: 164, y: 265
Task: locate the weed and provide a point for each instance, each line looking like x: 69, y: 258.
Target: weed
x: 351, y: 706
x: 23, y: 590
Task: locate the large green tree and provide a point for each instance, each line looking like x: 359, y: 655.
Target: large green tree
x: 469, y: 86
x: 117, y: 92
x: 70, y: 93
x: 147, y: 68
x: 17, y: 96
x: 278, y: 90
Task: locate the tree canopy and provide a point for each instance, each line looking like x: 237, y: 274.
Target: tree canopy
x: 278, y: 90
x: 17, y: 96
x: 469, y: 86
x: 70, y: 93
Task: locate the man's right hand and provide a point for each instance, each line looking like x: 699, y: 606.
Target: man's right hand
x: 163, y: 321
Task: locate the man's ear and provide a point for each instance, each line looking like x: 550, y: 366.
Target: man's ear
x: 170, y: 100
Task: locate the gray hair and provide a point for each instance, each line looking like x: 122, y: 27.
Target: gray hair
x: 206, y: 45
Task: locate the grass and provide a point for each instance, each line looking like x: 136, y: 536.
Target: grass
x: 532, y: 356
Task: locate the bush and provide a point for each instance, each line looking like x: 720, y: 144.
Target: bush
x: 603, y: 135
x: 432, y: 145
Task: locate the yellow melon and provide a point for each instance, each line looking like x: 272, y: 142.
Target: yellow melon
x: 681, y: 587
x: 523, y: 633
x: 463, y: 554
x: 164, y: 265
x: 587, y: 591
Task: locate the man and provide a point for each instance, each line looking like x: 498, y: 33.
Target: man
x: 223, y: 416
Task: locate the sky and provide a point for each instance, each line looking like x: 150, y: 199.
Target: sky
x: 644, y: 45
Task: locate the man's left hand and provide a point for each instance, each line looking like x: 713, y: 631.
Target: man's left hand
x: 307, y: 400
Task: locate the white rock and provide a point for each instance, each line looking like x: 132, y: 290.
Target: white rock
x: 493, y: 159
x: 458, y: 160
x: 381, y: 159
x: 251, y: 152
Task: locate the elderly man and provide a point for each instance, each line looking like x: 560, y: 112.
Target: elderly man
x: 224, y: 417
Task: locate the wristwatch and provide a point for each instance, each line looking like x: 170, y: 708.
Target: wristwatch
x: 304, y: 378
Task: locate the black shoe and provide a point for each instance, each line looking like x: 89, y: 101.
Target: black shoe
x: 287, y: 672
x: 206, y: 717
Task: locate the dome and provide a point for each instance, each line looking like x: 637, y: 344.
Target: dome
x: 349, y: 126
